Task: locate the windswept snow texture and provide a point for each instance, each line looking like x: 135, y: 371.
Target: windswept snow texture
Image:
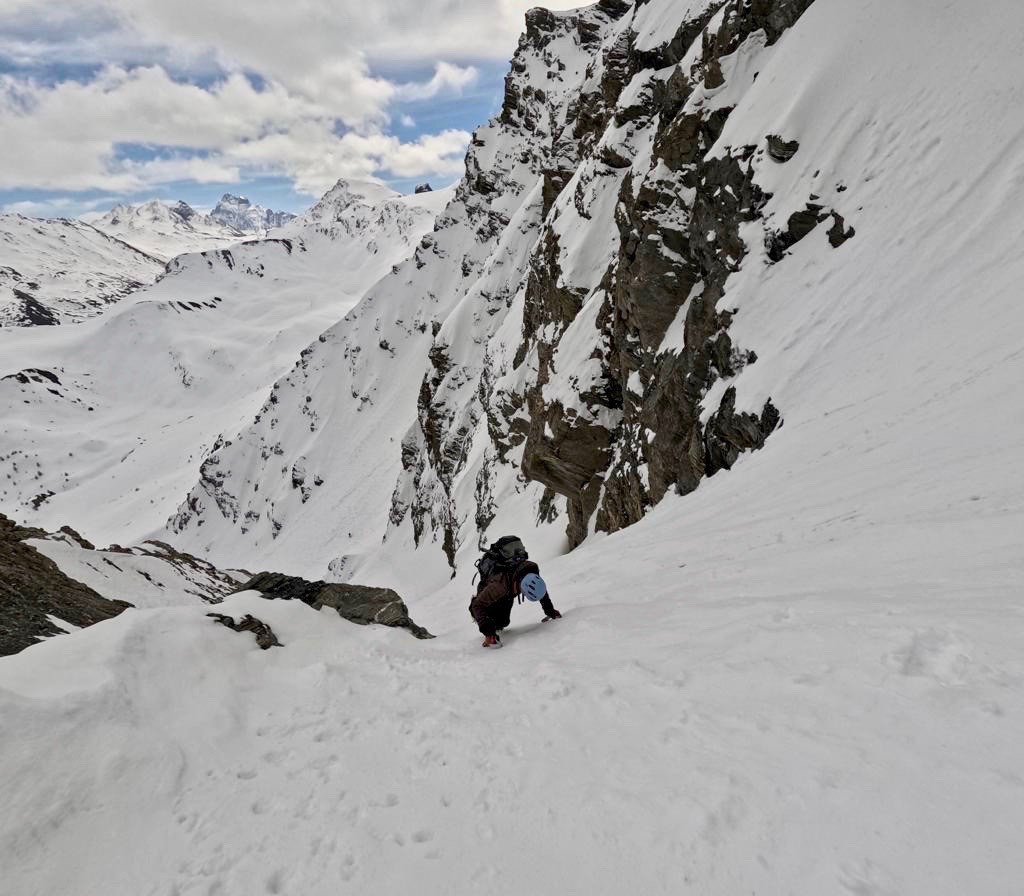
x: 107, y: 424
x: 60, y: 271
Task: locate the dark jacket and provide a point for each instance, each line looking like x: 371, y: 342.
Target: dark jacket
x: 492, y: 606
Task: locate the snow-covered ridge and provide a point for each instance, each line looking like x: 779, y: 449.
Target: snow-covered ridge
x: 55, y: 271
x: 61, y: 271
x: 363, y: 380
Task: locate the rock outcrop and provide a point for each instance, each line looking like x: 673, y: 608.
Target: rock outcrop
x: 265, y: 637
x: 680, y: 240
x: 356, y: 603
x: 35, y: 596
x: 607, y: 390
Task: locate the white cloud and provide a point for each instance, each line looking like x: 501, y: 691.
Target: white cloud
x: 442, y: 153
x: 59, y: 207
x: 446, y: 77
x: 315, y: 157
x: 276, y: 87
x: 208, y: 135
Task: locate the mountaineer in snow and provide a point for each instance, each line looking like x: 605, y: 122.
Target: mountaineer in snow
x: 506, y: 572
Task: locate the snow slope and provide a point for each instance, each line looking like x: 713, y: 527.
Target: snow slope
x: 780, y: 707
x: 146, y: 575
x: 107, y: 424
x: 60, y: 271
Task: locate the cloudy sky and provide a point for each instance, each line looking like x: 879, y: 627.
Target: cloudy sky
x: 103, y: 101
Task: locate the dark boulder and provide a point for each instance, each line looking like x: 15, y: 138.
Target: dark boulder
x: 781, y: 150
x: 265, y: 637
x: 839, y: 233
x: 356, y: 603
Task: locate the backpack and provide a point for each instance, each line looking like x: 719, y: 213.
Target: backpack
x: 504, y: 555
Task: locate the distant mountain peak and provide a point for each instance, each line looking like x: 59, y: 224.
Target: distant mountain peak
x: 183, y: 210
x: 238, y: 212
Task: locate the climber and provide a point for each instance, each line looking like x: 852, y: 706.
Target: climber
x: 506, y: 572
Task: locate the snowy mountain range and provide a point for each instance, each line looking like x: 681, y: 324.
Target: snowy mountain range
x: 166, y: 230
x: 55, y: 271
x: 723, y: 319
x: 119, y: 413
x: 239, y: 213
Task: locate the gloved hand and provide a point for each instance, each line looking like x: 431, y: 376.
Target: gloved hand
x: 554, y: 614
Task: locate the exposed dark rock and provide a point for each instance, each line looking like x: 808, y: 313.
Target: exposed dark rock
x: 839, y: 233
x: 688, y: 31
x: 265, y: 636
x: 34, y: 312
x: 183, y: 210
x: 32, y: 587
x: 424, y: 188
x: 728, y: 433
x: 78, y: 538
x: 356, y: 603
x: 555, y: 180
x: 800, y: 224
x: 663, y: 318
x: 680, y: 242
x: 781, y: 150
x: 209, y: 583
x: 34, y: 375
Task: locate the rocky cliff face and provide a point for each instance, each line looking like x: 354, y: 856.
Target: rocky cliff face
x: 625, y: 311
x: 561, y: 345
x: 660, y: 319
